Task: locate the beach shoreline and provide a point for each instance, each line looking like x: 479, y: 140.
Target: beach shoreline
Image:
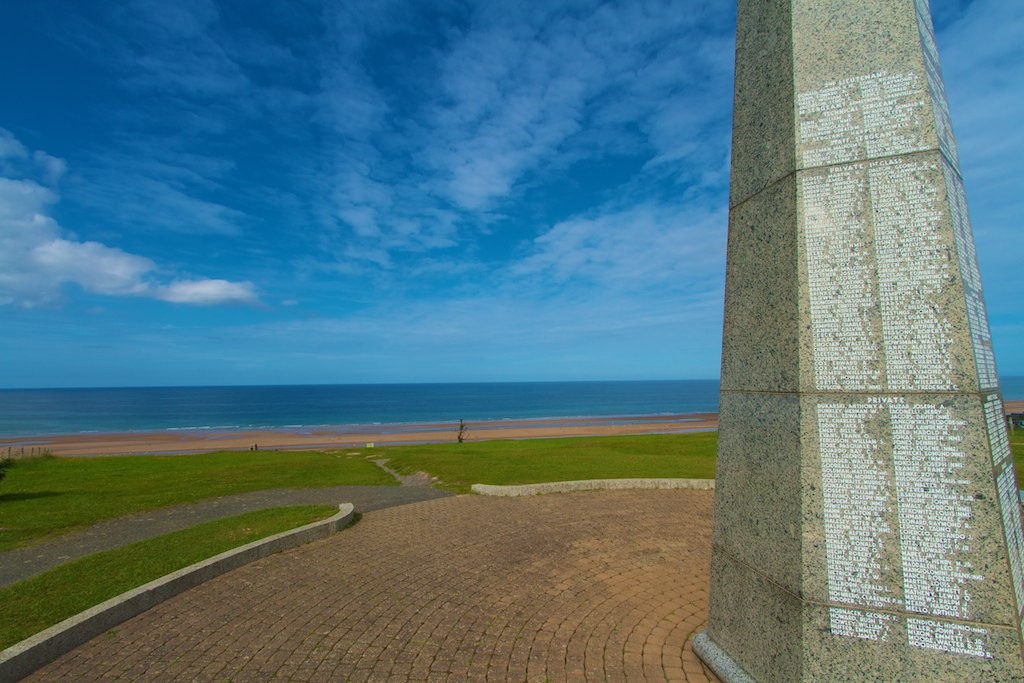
x: 199, y: 440
x: 352, y: 436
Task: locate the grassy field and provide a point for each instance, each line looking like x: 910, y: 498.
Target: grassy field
x: 540, y: 460
x: 1017, y: 446
x: 29, y: 606
x: 458, y: 466
x: 43, y: 497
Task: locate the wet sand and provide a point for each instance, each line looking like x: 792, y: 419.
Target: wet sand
x: 350, y: 436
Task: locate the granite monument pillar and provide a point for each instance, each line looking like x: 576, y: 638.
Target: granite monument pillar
x: 867, y: 521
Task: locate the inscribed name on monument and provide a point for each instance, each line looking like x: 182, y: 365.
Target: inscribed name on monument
x: 877, y: 268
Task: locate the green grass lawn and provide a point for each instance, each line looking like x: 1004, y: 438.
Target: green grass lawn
x: 1017, y: 446
x: 458, y: 466
x: 43, y: 497
x: 30, y: 606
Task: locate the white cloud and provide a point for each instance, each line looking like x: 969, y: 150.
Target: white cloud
x: 642, y: 247
x: 53, y: 168
x: 10, y: 147
x: 207, y: 292
x: 24, y: 224
x: 93, y: 266
x: 37, y: 259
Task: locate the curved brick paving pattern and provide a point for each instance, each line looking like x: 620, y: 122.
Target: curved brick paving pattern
x: 606, y: 585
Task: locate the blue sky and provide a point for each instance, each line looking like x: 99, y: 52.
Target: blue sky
x: 214, y: 192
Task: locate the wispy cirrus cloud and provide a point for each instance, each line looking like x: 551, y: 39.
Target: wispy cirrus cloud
x: 606, y: 284
x: 510, y: 98
x: 152, y: 46
x: 643, y: 247
x: 528, y: 91
x: 38, y: 258
x: 169, y: 195
x: 425, y: 125
x: 197, y: 89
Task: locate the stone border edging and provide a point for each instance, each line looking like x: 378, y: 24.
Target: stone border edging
x: 718, y: 661
x: 592, y: 485
x: 23, y: 658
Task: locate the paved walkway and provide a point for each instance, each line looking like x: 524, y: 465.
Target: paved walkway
x: 25, y: 562
x: 599, y: 585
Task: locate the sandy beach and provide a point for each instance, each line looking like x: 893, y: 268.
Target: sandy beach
x: 199, y: 440
x: 1013, y: 406
x: 351, y: 436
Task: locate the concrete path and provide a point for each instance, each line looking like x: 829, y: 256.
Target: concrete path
x: 22, y: 563
x: 598, y: 585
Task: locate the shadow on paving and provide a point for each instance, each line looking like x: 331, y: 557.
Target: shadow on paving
x: 22, y: 563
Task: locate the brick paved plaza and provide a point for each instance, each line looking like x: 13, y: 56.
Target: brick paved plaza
x: 606, y: 585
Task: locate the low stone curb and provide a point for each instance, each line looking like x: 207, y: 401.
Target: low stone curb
x: 23, y: 658
x: 718, y: 661
x: 592, y: 485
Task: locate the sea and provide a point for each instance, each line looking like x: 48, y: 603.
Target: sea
x: 29, y: 412
x: 26, y: 412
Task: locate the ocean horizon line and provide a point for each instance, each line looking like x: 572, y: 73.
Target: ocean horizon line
x: 351, y: 384
x: 128, y: 410
x: 147, y: 409
x: 1002, y: 378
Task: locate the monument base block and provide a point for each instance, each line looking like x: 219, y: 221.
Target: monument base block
x: 866, y: 661
x: 718, y: 660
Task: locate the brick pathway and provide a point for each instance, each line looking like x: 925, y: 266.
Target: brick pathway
x: 603, y: 585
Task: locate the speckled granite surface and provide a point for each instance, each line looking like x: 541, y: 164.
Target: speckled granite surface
x: 866, y: 517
